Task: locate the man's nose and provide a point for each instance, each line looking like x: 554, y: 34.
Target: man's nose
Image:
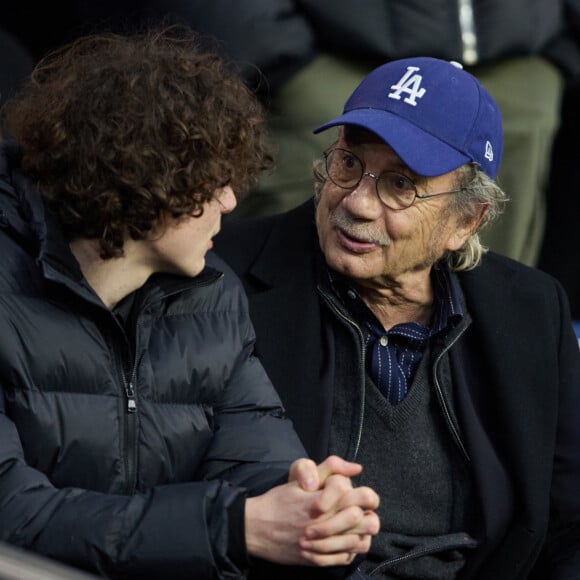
x: 363, y: 200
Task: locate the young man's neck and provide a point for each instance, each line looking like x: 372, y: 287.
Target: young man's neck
x: 111, y: 279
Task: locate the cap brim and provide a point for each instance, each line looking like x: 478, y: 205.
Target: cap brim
x: 420, y: 151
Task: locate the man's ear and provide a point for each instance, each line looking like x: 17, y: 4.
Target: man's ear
x: 463, y: 230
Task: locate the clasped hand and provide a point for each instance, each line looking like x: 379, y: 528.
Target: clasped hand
x: 317, y: 518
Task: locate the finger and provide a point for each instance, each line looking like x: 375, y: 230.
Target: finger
x: 352, y: 520
x: 345, y: 544
x: 305, y: 472
x: 336, y: 465
x: 364, y: 497
x: 339, y: 494
x: 334, y: 559
x: 333, y: 496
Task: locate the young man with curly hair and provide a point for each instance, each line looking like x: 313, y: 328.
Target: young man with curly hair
x: 139, y: 435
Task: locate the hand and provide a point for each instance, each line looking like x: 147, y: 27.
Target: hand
x: 346, y: 521
x: 318, y: 538
x: 312, y: 477
x: 324, y: 527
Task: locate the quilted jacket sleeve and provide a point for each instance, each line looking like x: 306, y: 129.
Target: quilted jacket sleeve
x: 250, y: 426
x: 165, y: 532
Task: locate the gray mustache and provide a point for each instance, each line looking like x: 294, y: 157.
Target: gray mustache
x: 341, y: 219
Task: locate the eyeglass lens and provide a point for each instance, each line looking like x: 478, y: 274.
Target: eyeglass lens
x: 346, y: 170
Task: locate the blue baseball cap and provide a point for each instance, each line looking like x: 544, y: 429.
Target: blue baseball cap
x: 435, y: 115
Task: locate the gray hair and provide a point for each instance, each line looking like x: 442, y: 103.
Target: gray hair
x: 479, y: 191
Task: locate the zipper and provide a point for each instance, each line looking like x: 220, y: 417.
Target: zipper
x: 129, y: 419
x: 408, y: 556
x: 129, y: 385
x: 130, y: 380
x: 418, y: 552
x: 443, y: 402
x: 131, y: 400
x: 334, y: 307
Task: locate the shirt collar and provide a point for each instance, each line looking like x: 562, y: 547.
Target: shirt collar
x: 447, y: 308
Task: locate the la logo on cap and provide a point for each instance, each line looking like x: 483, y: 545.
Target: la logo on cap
x: 410, y: 84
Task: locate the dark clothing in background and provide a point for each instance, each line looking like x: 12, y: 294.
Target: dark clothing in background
x: 16, y: 63
x: 280, y: 36
x: 396, y: 29
x: 560, y: 255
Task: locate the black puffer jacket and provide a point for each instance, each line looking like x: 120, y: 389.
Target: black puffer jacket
x: 127, y: 446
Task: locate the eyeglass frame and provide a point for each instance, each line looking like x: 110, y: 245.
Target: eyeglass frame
x: 326, y: 155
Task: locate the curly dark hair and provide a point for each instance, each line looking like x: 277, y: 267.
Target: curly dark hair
x: 117, y: 130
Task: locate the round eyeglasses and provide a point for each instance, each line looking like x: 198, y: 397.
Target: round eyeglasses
x: 396, y: 191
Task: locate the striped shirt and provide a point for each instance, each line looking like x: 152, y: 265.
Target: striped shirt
x: 392, y: 356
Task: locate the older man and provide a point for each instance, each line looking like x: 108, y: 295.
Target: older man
x: 451, y: 374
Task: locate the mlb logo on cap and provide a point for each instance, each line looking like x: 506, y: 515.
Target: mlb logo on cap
x: 435, y: 115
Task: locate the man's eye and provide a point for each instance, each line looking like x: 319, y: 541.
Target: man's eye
x: 400, y: 182
x: 349, y: 162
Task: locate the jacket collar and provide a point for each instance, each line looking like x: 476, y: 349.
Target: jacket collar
x: 288, y: 248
